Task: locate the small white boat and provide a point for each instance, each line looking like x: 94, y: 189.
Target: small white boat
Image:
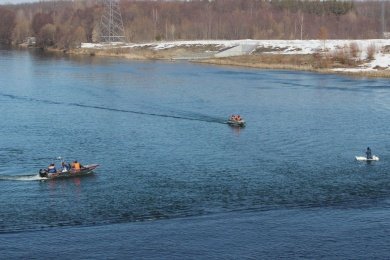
x: 364, y: 158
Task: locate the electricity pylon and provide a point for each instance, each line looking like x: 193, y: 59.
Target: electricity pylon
x: 111, y: 24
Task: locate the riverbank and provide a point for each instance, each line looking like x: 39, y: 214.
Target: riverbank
x: 367, y: 58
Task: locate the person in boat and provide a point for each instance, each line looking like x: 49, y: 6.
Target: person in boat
x: 65, y: 167
x: 51, y: 168
x: 235, y: 118
x: 76, y: 166
x: 368, y: 153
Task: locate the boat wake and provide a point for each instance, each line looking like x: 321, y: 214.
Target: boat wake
x: 202, y: 118
x: 30, y: 177
x: 197, y: 117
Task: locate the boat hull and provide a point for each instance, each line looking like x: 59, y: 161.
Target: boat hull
x: 364, y: 158
x: 240, y: 123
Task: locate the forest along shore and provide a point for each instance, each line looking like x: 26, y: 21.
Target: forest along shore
x: 354, y: 57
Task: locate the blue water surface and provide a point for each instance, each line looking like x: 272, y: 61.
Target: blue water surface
x: 175, y: 181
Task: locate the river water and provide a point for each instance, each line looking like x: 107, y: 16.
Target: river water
x: 175, y: 181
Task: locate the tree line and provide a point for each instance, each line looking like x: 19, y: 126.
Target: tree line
x: 65, y: 24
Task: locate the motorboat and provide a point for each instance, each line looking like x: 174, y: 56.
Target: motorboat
x: 84, y: 170
x: 236, y: 120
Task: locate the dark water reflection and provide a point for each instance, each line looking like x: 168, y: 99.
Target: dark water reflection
x: 158, y: 131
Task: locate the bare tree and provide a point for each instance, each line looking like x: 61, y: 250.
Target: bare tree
x: 7, y: 22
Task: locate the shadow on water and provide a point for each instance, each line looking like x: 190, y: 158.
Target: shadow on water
x: 199, y: 117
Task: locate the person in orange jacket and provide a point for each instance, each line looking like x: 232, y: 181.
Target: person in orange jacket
x: 76, y: 166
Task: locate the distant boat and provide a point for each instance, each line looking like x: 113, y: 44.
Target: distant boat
x: 364, y: 158
x: 236, y: 120
x: 85, y: 170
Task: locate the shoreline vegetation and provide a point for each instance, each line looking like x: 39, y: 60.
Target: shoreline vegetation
x: 360, y: 58
x: 187, y: 30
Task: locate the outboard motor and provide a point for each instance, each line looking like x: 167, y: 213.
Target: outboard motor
x: 42, y: 173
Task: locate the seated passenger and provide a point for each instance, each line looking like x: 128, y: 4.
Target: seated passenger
x: 65, y: 167
x: 76, y: 165
x: 51, y: 168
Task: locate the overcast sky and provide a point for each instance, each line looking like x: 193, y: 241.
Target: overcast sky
x: 29, y: 1
x: 17, y: 1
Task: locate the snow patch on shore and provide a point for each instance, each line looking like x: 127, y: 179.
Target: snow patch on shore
x: 381, y: 58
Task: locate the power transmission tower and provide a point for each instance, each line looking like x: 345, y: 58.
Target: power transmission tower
x: 111, y: 24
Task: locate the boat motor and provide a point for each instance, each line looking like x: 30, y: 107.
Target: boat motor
x: 42, y: 173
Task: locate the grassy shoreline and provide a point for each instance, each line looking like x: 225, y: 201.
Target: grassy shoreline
x: 295, y: 62
x: 295, y: 67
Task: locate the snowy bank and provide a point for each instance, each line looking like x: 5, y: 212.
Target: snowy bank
x: 226, y: 48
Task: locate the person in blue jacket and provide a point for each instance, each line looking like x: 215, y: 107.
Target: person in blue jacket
x: 51, y: 168
x: 65, y: 167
